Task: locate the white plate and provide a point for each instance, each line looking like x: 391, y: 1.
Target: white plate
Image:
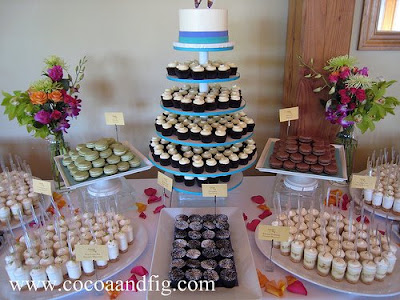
x: 389, y: 287
x: 70, y: 183
x: 134, y: 251
x: 357, y: 195
x: 248, y: 287
x: 263, y: 164
x: 28, y: 218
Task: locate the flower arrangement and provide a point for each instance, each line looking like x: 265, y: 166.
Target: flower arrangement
x: 353, y: 97
x: 49, y: 104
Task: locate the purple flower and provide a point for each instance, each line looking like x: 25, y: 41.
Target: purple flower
x: 363, y: 71
x: 344, y: 123
x: 63, y: 125
x: 55, y: 73
x: 74, y: 106
x: 42, y: 117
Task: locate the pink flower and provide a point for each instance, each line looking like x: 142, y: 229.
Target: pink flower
x: 363, y: 71
x: 345, y: 72
x: 360, y: 95
x: 42, y: 117
x: 55, y: 73
x: 55, y: 115
x: 353, y: 91
x: 334, y: 77
x: 352, y: 106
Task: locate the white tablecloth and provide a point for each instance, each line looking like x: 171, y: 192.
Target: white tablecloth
x: 256, y: 185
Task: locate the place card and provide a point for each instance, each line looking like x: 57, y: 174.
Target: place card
x: 42, y: 187
x: 214, y: 190
x: 363, y: 182
x: 288, y: 114
x: 276, y: 233
x: 114, y: 118
x: 91, y: 252
x: 164, y: 181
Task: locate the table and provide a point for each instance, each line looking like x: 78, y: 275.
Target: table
x: 240, y: 197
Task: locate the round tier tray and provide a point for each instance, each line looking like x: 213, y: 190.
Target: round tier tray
x: 231, y: 78
x: 216, y: 112
x: 192, y: 143
x: 175, y: 171
x: 203, y: 47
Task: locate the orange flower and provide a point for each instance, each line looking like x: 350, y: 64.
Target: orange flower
x: 38, y: 97
x: 56, y: 96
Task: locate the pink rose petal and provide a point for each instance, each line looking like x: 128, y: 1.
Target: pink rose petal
x: 366, y: 220
x: 382, y: 232
x: 153, y: 199
x: 165, y: 195
x: 244, y: 217
x: 128, y: 286
x: 253, y: 225
x: 142, y: 215
x: 139, y: 270
x: 264, y: 214
x: 150, y: 192
x: 258, y: 199
x: 297, y: 287
x: 133, y: 277
x: 158, y: 209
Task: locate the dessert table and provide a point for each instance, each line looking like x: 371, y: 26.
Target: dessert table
x: 255, y: 185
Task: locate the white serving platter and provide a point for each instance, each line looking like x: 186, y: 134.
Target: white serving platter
x: 70, y: 183
x: 389, y: 287
x: 125, y: 259
x: 263, y: 164
x: 248, y: 287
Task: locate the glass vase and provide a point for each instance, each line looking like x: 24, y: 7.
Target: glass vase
x: 347, y: 139
x: 57, y: 146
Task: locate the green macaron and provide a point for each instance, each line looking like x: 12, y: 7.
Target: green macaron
x: 81, y: 175
x: 96, y: 172
x: 106, y: 153
x: 119, y: 150
x: 123, y: 166
x: 66, y: 161
x: 113, y: 159
x: 110, y: 169
x: 99, y: 163
x: 92, y: 155
x: 90, y: 145
x: 101, y: 145
x: 134, y: 163
x: 80, y: 146
x: 127, y: 156
x: 84, y: 166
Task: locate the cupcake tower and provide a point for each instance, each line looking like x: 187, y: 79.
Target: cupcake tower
x: 203, y: 135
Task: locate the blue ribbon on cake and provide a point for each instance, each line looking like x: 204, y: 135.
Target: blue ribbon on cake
x: 203, y: 37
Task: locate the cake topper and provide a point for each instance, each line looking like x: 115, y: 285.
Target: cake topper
x: 198, y: 2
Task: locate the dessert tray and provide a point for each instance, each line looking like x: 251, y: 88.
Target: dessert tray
x: 175, y: 171
x: 248, y: 287
x: 386, y: 288
x: 264, y: 166
x: 70, y: 183
x: 17, y: 224
x: 357, y: 195
x: 125, y: 259
x: 203, y: 47
x: 216, y: 112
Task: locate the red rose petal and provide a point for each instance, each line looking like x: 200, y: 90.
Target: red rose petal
x: 139, y: 270
x: 265, y: 214
x: 297, y: 287
x: 253, y: 225
x: 128, y: 286
x: 153, y: 199
x: 258, y: 199
x: 244, y: 216
x: 366, y: 220
x: 158, y: 209
x: 165, y: 195
x: 142, y: 215
x: 150, y: 192
x: 133, y: 277
x: 32, y: 224
x: 382, y: 232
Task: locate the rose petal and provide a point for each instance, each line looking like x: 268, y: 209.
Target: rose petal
x: 253, y: 225
x: 142, y: 215
x: 266, y: 213
x: 262, y: 279
x: 258, y: 199
x: 110, y: 288
x: 32, y: 224
x: 272, y: 288
x: 158, y: 209
x: 382, y: 232
x: 244, y: 217
x: 150, y: 192
x: 297, y: 287
x: 141, y: 207
x: 290, y: 279
x: 139, y: 270
x: 366, y: 220
x: 153, y: 199
x: 263, y: 207
x: 165, y: 195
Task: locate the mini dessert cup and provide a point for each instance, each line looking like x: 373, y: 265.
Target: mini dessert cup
x: 296, y: 251
x: 368, y: 271
x: 338, y: 269
x: 353, y: 271
x: 324, y: 263
x: 310, y: 258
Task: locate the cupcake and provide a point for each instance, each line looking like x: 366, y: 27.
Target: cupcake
x: 175, y: 160
x: 199, y: 104
x: 184, y: 164
x: 220, y: 136
x: 224, y: 71
x: 234, y: 160
x: 158, y: 124
x: 167, y: 129
x: 156, y: 154
x: 233, y: 68
x: 182, y: 71
x: 213, y: 180
x: 186, y: 104
x: 167, y: 100
x: 165, y: 159
x: 171, y: 68
x: 189, y: 180
x: 237, y: 132
x: 250, y: 124
x: 211, y: 72
x: 211, y: 165
x: 206, y: 136
x: 210, y: 103
x: 183, y: 133
x: 178, y: 178
x: 198, y: 72
x: 243, y: 158
x: 195, y: 133
x: 223, y: 102
x: 223, y: 164
x: 198, y: 166
x: 235, y: 101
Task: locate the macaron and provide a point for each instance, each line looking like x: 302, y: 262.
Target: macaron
x: 296, y: 158
x: 84, y: 166
x: 289, y: 165
x: 110, y: 169
x: 123, y: 166
x: 331, y: 169
x: 81, y: 175
x: 73, y: 154
x: 119, y: 150
x: 310, y: 159
x: 324, y: 160
x: 305, y: 138
x: 113, y: 159
x: 84, y: 151
x: 99, y: 163
x: 316, y: 169
x: 305, y: 149
x: 302, y: 167
x: 291, y: 148
x: 275, y: 163
x: 66, y: 161
x: 127, y: 156
x: 92, y: 155
x: 80, y: 146
x: 90, y: 145
x: 96, y: 172
x: 101, y: 145
x: 282, y: 155
x: 134, y: 163
x: 318, y: 150
x: 106, y: 153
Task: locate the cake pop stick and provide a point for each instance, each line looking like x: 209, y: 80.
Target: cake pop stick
x: 54, y: 205
x: 369, y: 242
x: 2, y: 164
x: 43, y: 212
x: 351, y: 209
x: 355, y: 242
x: 385, y: 155
x: 279, y: 204
x: 35, y: 218
x: 57, y: 228
x: 71, y: 254
x: 67, y: 197
x: 9, y: 228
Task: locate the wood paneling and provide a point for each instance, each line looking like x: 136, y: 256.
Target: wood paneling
x: 317, y: 29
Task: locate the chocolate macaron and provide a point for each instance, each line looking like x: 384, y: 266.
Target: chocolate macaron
x: 324, y: 160
x: 275, y: 163
x: 282, y: 155
x: 296, y: 158
x: 289, y: 165
x: 305, y: 149
x: 302, y: 167
x: 310, y: 159
x: 316, y: 169
x: 331, y: 169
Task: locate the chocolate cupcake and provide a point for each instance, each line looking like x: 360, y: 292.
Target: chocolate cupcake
x: 210, y: 253
x: 184, y: 164
x: 209, y: 264
x: 213, y: 180
x: 206, y: 136
x: 225, y: 178
x: 178, y: 253
x: 201, y: 180
x: 243, y: 158
x: 179, y: 243
x: 175, y: 160
x: 181, y: 217
x: 195, y: 225
x: 158, y: 124
x: 195, y: 218
x: 178, y: 178
x: 183, y: 133
x: 224, y: 71
x: 166, y: 100
x: 198, y: 72
x: 228, y: 278
x: 156, y: 154
x: 233, y: 67
x: 178, y: 263
x: 167, y: 129
x: 237, y: 132
x: 220, y: 136
x: 171, y: 68
x: 226, y: 263
x: 182, y: 71
x: 188, y: 180
x: 195, y: 133
x: 165, y: 159
x: 250, y: 124
x: 211, y: 104
x: 193, y: 253
x: 175, y: 276
x: 194, y: 235
x: 224, y: 164
x: 181, y: 225
x: 176, y: 101
x: 186, y: 104
x: 198, y: 166
x: 208, y: 235
x: 211, y: 72
x: 226, y: 243
x: 226, y: 252
x: 223, y: 102
x: 180, y: 234
x: 222, y: 234
x: 194, y: 244
x: 235, y: 101
x: 199, y: 105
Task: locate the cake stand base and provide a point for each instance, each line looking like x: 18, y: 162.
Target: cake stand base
x: 302, y: 184
x: 104, y: 188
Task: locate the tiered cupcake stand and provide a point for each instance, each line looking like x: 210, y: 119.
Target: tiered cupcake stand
x: 236, y: 174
